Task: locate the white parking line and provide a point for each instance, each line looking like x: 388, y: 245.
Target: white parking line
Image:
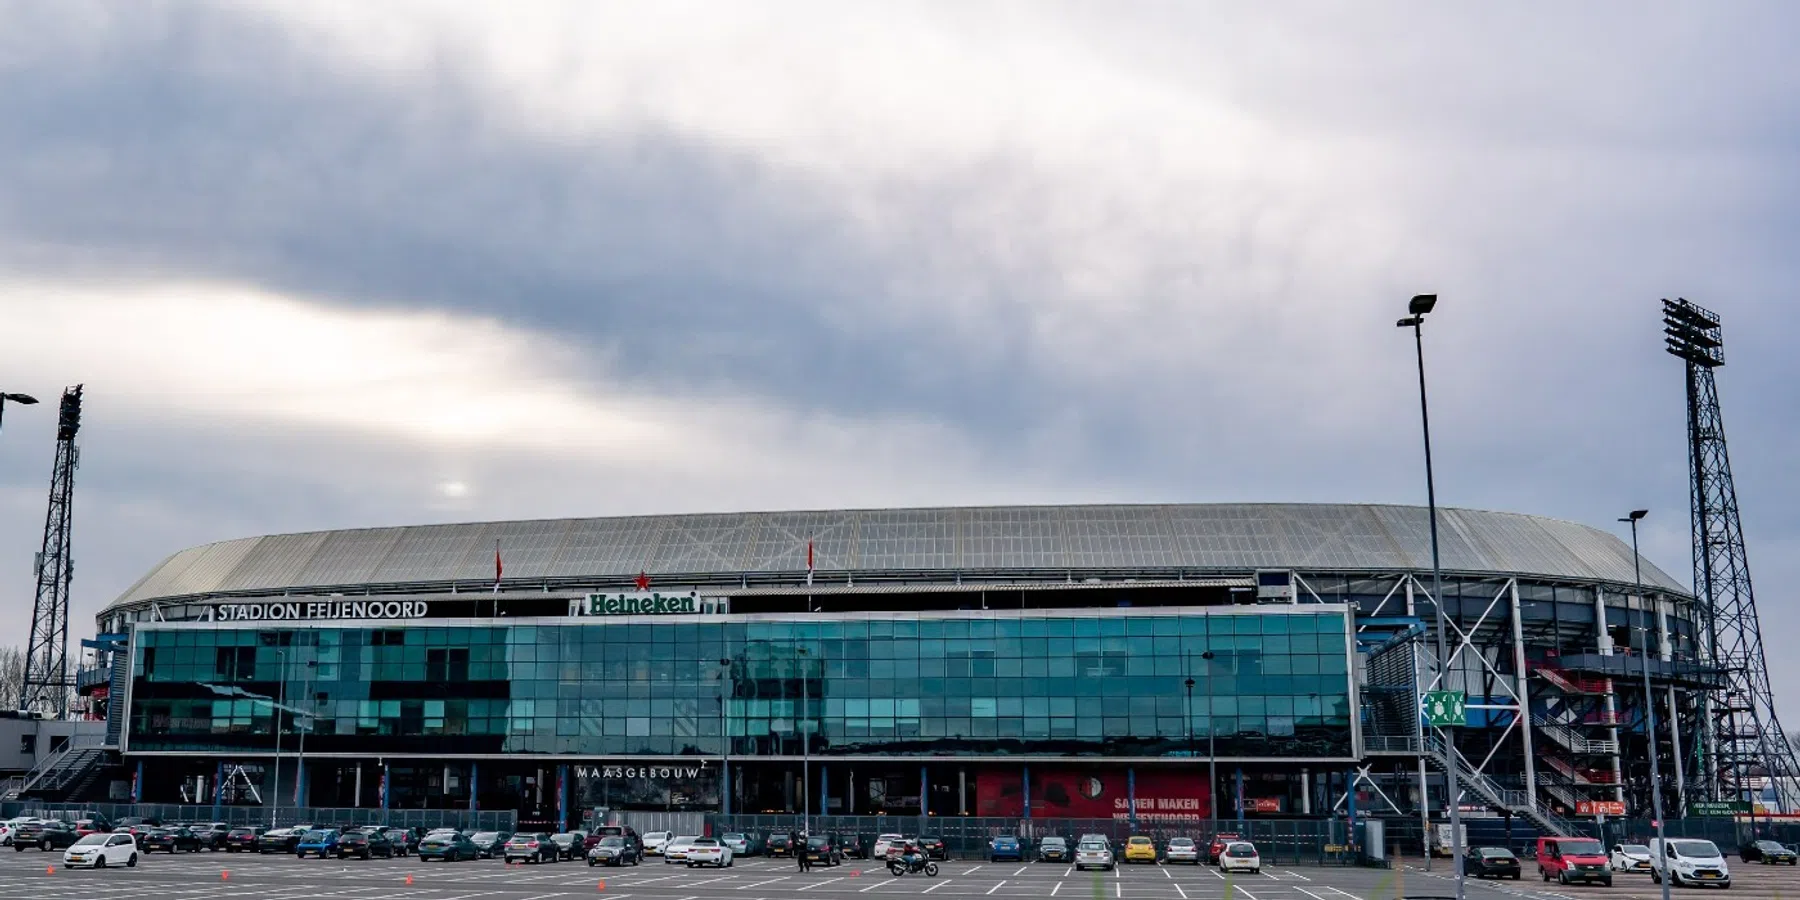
x: 1021, y: 870
x: 997, y: 886
x: 747, y: 886
x: 816, y: 883
x: 936, y: 886
x: 1309, y: 893
x: 1217, y: 874
x: 1241, y: 890
x: 972, y: 871
x: 1165, y: 872
x: 872, y: 887
x: 1055, y: 889
x: 1178, y: 890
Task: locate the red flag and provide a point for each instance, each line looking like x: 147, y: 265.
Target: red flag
x: 497, y: 567
x: 809, y: 560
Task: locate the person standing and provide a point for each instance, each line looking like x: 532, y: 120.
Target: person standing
x: 797, y: 840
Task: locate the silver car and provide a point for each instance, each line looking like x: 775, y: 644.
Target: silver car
x: 1181, y: 850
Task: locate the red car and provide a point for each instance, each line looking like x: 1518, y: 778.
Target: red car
x: 1218, y: 845
x: 1573, y: 859
x: 85, y: 827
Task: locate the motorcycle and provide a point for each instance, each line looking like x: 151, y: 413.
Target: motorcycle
x: 920, y: 866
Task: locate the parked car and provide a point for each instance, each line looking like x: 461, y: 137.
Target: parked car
x: 1688, y: 861
x: 569, y: 843
x: 856, y: 846
x: 1182, y: 850
x: 212, y: 834
x: 282, y: 840
x: 46, y: 835
x: 705, y: 851
x: 1005, y: 846
x: 242, y: 838
x: 676, y: 849
x: 738, y: 841
x: 365, y: 845
x: 1093, y: 855
x: 1053, y: 849
x: 322, y: 841
x: 531, y: 848
x: 883, y: 844
x: 173, y: 840
x: 778, y: 845
x: 1629, y: 858
x: 132, y: 825
x: 85, y: 827
x: 614, y: 850
x: 933, y: 847
x: 628, y: 833
x: 1769, y: 853
x: 490, y: 843
x: 654, y: 841
x: 821, y: 849
x: 1139, y: 848
x: 405, y: 840
x: 448, y: 847
x: 101, y: 849
x: 1569, y: 860
x: 1240, y: 856
x: 1217, y: 848
x: 1492, y: 862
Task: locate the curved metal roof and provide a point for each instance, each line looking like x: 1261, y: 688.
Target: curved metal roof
x: 1191, y: 538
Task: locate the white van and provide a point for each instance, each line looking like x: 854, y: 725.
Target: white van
x: 1688, y: 861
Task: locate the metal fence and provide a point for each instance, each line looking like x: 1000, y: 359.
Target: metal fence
x: 1281, y: 841
x: 486, y: 820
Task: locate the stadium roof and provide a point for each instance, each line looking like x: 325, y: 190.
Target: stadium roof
x: 1190, y: 539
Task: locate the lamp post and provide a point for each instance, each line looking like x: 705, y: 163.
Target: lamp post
x: 275, y: 714
x: 21, y: 399
x: 1656, y: 806
x: 1212, y: 752
x: 805, y: 747
x: 1418, y: 308
x: 312, y: 666
x: 724, y: 738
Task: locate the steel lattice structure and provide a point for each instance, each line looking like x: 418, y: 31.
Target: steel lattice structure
x: 1746, y: 743
x: 47, y: 681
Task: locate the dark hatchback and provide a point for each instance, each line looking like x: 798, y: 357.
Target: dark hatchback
x: 779, y: 846
x: 280, y: 840
x: 242, y: 839
x: 490, y: 843
x: 823, y: 849
x: 1492, y: 862
x: 364, y: 845
x: 52, y: 835
x: 212, y: 834
x: 171, y: 840
x: 405, y: 840
x: 1769, y: 853
x: 934, y: 847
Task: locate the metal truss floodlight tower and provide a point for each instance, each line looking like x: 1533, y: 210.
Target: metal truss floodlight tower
x: 1747, y: 746
x: 47, y: 682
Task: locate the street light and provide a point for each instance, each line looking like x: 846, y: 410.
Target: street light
x: 724, y: 739
x: 275, y: 713
x: 805, y: 748
x: 21, y: 399
x: 1418, y: 308
x: 1212, y: 731
x: 1656, y: 806
x: 275, y: 708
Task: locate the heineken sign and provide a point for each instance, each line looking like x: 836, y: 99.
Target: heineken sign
x: 636, y: 604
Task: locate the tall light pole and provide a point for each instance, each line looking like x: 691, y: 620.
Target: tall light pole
x: 1421, y: 306
x: 312, y: 666
x: 275, y: 713
x: 1656, y: 806
x: 724, y: 737
x: 805, y: 748
x: 1212, y: 752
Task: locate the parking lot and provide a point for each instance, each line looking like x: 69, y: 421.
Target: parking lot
x: 220, y: 876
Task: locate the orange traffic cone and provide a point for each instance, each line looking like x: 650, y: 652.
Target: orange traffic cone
x: 602, y: 885
x: 409, y: 878
x: 224, y: 874
x: 50, y: 871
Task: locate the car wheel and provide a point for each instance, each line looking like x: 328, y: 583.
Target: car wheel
x: 131, y: 861
x: 45, y: 846
x: 100, y: 861
x: 1515, y: 876
x: 1607, y: 882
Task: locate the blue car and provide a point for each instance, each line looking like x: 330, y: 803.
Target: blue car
x: 322, y: 841
x: 1005, y: 847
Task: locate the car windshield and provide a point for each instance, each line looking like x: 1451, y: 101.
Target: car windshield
x: 1093, y: 847
x: 1140, y: 841
x: 709, y: 842
x: 1495, y: 852
x: 1181, y: 842
x: 92, y: 840
x: 734, y: 836
x: 1052, y: 842
x: 1580, y: 848
x: 1241, y: 850
x: 1769, y: 845
x: 1635, y: 848
x: 486, y: 836
x: 1006, y: 840
x: 613, y: 842
x: 1699, y: 849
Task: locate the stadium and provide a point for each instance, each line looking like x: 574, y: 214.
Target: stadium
x: 1176, y: 662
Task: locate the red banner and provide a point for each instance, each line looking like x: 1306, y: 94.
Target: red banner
x: 1599, y: 808
x: 1262, y: 804
x: 1074, y: 794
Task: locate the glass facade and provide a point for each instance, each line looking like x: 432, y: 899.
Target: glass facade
x: 1031, y: 683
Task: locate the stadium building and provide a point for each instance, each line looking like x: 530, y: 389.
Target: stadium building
x: 1056, y: 662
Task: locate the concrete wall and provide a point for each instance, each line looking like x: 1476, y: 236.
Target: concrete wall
x: 45, y: 734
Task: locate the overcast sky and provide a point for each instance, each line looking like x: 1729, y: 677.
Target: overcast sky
x: 334, y: 264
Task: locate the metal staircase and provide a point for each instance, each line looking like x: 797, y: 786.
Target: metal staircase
x: 1573, y: 742
x: 1518, y: 802
x: 62, y: 773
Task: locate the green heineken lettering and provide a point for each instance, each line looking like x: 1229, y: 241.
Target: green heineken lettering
x: 636, y: 605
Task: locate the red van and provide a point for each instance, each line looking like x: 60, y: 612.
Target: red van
x: 1571, y: 859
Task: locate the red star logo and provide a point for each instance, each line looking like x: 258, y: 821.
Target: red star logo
x: 643, y: 581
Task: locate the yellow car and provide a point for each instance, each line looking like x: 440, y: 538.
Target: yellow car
x: 1140, y: 849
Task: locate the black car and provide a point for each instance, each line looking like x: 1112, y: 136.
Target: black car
x: 1769, y: 853
x: 172, y: 840
x: 281, y: 840
x: 614, y: 850
x: 364, y: 844
x: 137, y: 825
x: 403, y: 839
x: 823, y: 849
x: 242, y: 839
x: 778, y: 845
x: 52, y: 835
x: 934, y: 847
x: 1492, y: 862
x: 490, y: 843
x: 212, y: 834
x: 854, y: 846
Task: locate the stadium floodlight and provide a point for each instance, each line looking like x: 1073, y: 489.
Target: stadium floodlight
x: 21, y: 399
x: 1422, y: 304
x: 1693, y: 333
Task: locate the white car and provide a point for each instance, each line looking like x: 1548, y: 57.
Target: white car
x: 1629, y: 858
x: 705, y: 851
x: 1240, y: 856
x: 1182, y: 850
x: 882, y: 842
x: 1688, y: 861
x: 655, y: 841
x: 1093, y: 855
x: 11, y: 825
x: 97, y: 851
x: 676, y: 849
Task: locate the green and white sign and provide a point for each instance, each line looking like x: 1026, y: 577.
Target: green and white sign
x: 636, y: 604
x: 1445, y: 709
x: 1719, y: 808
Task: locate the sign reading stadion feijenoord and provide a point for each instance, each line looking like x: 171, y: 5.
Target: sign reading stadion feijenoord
x: 636, y: 604
x: 296, y: 610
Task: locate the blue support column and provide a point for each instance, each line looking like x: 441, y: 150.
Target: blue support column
x: 924, y: 802
x: 824, y: 790
x: 1350, y: 807
x: 299, y: 785
x: 218, y: 790
x: 474, y: 789
x: 1240, y: 794
x: 384, y: 789
x: 725, y: 788
x: 562, y: 798
x: 1131, y: 797
x: 1027, y: 783
x: 137, y: 784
